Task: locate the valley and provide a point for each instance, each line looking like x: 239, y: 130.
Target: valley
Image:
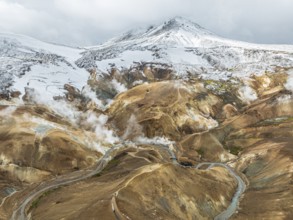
x: 168, y: 122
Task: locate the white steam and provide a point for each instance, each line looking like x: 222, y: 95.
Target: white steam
x: 98, y: 125
x: 137, y: 82
x: 134, y: 131
x: 7, y: 112
x: 89, y: 93
x: 154, y: 140
x: 60, y: 107
x: 89, y: 120
x: 133, y: 128
x: 119, y: 87
x: 289, y: 83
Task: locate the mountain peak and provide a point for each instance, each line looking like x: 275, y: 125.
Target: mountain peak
x: 180, y: 23
x: 179, y: 20
x: 175, y: 31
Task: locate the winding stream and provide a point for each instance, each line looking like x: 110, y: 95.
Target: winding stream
x: 235, y: 200
x: 20, y: 212
x: 239, y: 191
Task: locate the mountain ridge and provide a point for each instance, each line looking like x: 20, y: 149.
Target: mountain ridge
x: 183, y: 24
x: 179, y: 43
x: 172, y: 26
x: 187, y: 47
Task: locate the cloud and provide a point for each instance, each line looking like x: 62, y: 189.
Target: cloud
x: 88, y: 22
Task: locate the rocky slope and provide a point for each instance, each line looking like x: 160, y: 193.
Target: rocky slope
x: 142, y: 182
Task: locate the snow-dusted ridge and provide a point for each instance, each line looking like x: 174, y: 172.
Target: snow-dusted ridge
x: 187, y: 47
x: 179, y: 43
x: 25, y: 61
x: 181, y: 32
x: 175, y: 32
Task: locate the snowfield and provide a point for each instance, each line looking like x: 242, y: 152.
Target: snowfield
x: 45, y: 67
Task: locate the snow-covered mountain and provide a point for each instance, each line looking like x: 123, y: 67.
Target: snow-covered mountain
x: 187, y: 47
x: 183, y: 45
x: 25, y: 61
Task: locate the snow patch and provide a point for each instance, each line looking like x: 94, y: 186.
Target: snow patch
x: 247, y: 94
x: 285, y: 99
x: 125, y: 59
x: 289, y: 83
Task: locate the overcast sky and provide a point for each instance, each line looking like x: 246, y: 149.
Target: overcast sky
x: 89, y: 22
